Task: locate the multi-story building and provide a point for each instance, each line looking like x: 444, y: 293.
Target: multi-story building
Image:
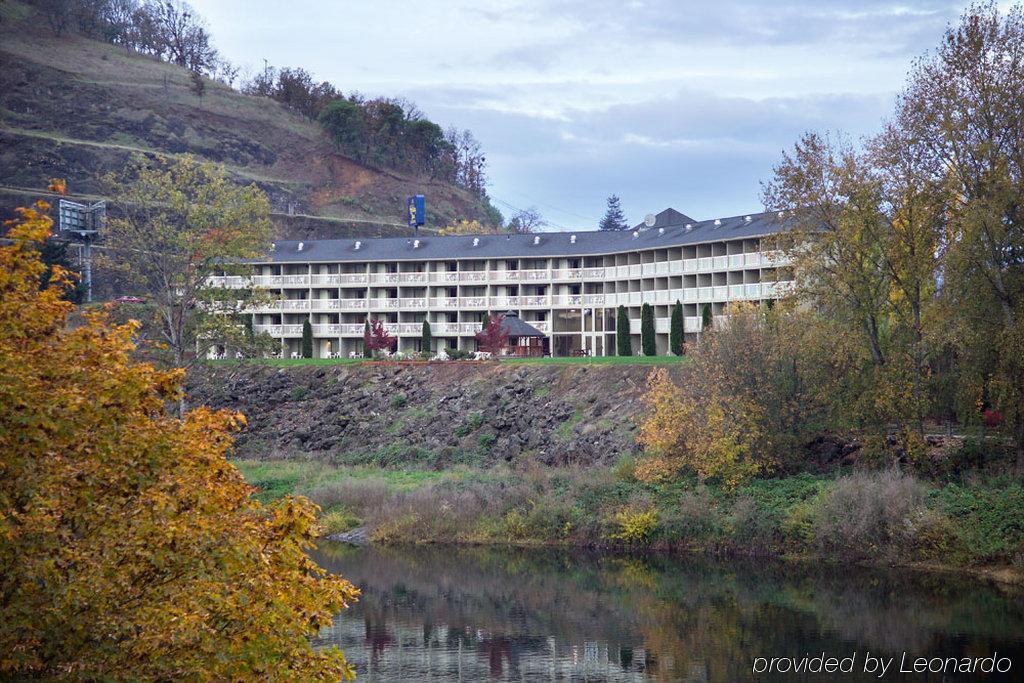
x: 566, y: 284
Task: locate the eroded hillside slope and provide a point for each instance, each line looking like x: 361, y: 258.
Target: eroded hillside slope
x: 436, y: 414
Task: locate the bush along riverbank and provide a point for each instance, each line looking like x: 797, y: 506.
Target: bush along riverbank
x: 886, y: 516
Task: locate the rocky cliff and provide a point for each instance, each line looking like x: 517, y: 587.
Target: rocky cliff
x: 436, y: 415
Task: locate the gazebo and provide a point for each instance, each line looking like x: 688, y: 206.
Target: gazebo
x: 523, y: 338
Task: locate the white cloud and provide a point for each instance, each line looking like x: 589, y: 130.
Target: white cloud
x: 661, y: 101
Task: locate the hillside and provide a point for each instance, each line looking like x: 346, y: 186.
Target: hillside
x: 77, y: 108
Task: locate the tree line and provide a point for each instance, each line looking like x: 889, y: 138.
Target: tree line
x: 381, y: 131
x: 908, y: 256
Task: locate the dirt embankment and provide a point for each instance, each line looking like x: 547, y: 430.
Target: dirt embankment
x: 436, y: 414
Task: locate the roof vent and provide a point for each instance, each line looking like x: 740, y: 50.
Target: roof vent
x: 718, y: 221
x: 273, y: 246
x: 415, y: 244
x: 746, y: 218
x: 661, y: 231
x: 572, y: 239
x: 536, y: 239
x: 301, y: 245
x: 358, y: 244
x: 476, y: 241
x: 689, y: 227
x: 781, y: 214
x: 636, y: 233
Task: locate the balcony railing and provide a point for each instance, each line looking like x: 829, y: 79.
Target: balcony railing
x: 704, y: 264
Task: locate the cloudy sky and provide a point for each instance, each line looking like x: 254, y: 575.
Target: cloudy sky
x: 665, y: 103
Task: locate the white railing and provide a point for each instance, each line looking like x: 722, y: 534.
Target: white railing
x: 444, y: 302
x: 504, y: 301
x: 692, y: 323
x: 534, y: 275
x: 280, y: 330
x: 325, y: 279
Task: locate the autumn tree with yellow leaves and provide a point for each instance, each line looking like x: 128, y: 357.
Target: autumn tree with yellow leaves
x: 129, y: 546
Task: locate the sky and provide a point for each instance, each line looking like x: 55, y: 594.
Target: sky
x: 661, y: 102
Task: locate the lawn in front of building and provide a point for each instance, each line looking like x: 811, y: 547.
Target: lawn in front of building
x: 547, y: 360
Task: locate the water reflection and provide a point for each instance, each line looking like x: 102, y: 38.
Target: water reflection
x: 469, y: 614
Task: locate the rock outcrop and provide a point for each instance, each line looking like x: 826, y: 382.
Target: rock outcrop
x: 436, y: 414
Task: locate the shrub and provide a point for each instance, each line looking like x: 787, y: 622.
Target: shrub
x: 753, y: 529
x: 399, y: 401
x: 870, y: 514
x: 647, y: 339
x: 336, y: 522
x: 625, y: 468
x: 299, y: 393
x: 357, y: 495
x: 693, y: 520
x: 486, y: 441
x: 634, y: 525
x: 307, y: 339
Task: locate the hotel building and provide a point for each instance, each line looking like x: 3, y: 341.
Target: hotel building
x: 568, y: 285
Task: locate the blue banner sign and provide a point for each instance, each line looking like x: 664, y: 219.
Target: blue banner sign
x: 417, y: 211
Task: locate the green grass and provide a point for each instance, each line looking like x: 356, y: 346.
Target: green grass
x: 288, y: 362
x: 599, y: 360
x: 278, y: 478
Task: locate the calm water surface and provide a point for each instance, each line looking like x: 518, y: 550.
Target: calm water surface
x: 484, y: 614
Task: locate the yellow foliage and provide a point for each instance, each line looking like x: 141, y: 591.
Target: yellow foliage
x: 467, y: 227
x: 713, y: 435
x: 635, y: 526
x: 129, y: 545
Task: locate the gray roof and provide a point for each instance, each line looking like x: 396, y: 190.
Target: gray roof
x: 667, y: 218
x: 516, y: 327
x: 539, y: 245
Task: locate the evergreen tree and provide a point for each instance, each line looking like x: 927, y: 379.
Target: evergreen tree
x: 675, y: 334
x: 426, y: 338
x: 647, y: 330
x: 367, y: 353
x: 623, y: 344
x: 307, y: 339
x: 614, y: 218
x: 705, y: 317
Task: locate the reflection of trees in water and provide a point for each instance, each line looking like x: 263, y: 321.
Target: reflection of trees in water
x: 663, y: 618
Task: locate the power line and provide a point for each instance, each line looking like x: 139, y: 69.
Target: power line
x: 516, y: 208
x: 555, y: 208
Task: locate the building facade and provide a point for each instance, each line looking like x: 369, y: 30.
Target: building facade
x: 566, y: 284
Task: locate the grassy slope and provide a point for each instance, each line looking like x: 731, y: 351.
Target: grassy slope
x: 73, y: 107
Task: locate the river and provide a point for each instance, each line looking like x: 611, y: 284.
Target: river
x: 496, y: 614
